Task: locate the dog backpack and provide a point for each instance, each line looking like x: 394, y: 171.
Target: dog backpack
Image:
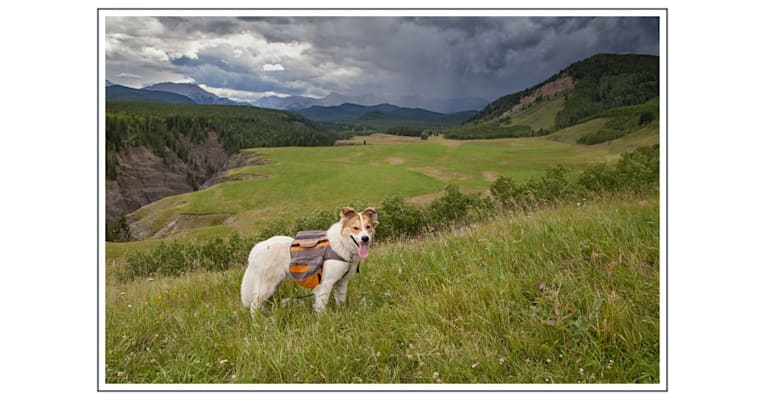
x: 308, y: 252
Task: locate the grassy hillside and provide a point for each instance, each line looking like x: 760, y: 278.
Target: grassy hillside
x: 580, y: 92
x: 565, y: 295
x: 411, y: 170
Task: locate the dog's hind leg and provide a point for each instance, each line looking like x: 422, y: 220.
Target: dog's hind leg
x: 265, y: 287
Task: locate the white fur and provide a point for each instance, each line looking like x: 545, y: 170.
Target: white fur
x: 269, y: 264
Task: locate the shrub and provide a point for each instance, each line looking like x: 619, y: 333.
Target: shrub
x: 174, y: 258
x: 506, y: 192
x: 552, y: 186
x: 636, y: 171
x: 400, y: 219
x: 451, y: 208
x: 598, y: 178
x: 646, y: 117
x: 640, y: 169
x: 317, y: 220
x: 118, y: 231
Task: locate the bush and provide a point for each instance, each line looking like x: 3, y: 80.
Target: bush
x: 636, y: 171
x: 646, y: 117
x: 506, y: 192
x: 400, y: 219
x: 552, y: 186
x: 451, y: 208
x: 598, y: 178
x: 174, y: 258
x: 640, y: 169
x: 317, y: 220
x: 118, y: 231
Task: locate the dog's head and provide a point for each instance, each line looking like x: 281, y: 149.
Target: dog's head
x: 360, y: 227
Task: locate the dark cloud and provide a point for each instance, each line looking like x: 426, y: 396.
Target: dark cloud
x: 390, y: 56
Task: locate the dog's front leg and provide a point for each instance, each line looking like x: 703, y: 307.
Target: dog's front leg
x: 322, y: 294
x: 341, y: 288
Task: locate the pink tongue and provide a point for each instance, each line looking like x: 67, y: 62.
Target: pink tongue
x: 363, y: 250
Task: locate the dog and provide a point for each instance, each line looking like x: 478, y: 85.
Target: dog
x: 269, y: 261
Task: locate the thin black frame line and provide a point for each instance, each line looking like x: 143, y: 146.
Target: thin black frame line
x: 98, y: 202
x: 667, y: 199
x: 667, y: 204
x: 380, y: 9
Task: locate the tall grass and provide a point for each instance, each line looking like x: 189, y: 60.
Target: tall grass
x: 566, y: 294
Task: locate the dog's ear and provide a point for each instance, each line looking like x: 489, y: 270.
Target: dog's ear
x: 347, y: 212
x: 372, y: 214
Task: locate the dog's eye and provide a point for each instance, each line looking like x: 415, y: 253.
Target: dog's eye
x: 367, y: 227
x: 356, y: 228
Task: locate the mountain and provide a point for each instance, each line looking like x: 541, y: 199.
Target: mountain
x: 290, y: 103
x: 383, y: 116
x: 294, y: 103
x: 449, y: 105
x: 597, y: 83
x: 619, y: 89
x: 343, y: 112
x: 192, y: 91
x: 119, y: 93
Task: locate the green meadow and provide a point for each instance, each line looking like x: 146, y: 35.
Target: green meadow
x: 564, y: 293
x: 568, y: 294
x: 416, y: 170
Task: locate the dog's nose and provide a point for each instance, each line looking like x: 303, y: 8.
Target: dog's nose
x: 365, y: 239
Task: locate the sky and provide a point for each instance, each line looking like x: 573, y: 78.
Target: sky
x: 246, y: 58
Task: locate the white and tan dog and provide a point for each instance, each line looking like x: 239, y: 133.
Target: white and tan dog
x: 269, y: 261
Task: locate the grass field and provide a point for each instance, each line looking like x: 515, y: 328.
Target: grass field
x: 568, y: 294
x: 388, y: 165
x: 539, y: 116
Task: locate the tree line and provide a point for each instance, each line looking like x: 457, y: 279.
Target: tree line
x: 170, y: 126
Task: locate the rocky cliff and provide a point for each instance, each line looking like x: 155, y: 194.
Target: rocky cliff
x: 143, y: 177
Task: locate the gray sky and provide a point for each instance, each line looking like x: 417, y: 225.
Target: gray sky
x: 436, y: 57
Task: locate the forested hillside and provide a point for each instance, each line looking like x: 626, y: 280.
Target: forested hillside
x: 157, y: 126
x: 582, y: 91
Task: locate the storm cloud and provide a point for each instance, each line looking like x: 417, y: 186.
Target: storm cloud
x: 245, y: 58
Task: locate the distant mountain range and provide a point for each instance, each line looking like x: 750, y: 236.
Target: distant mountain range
x: 124, y: 93
x: 166, y: 92
x: 293, y: 103
x: 194, y: 92
x: 446, y: 106
x: 383, y: 116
